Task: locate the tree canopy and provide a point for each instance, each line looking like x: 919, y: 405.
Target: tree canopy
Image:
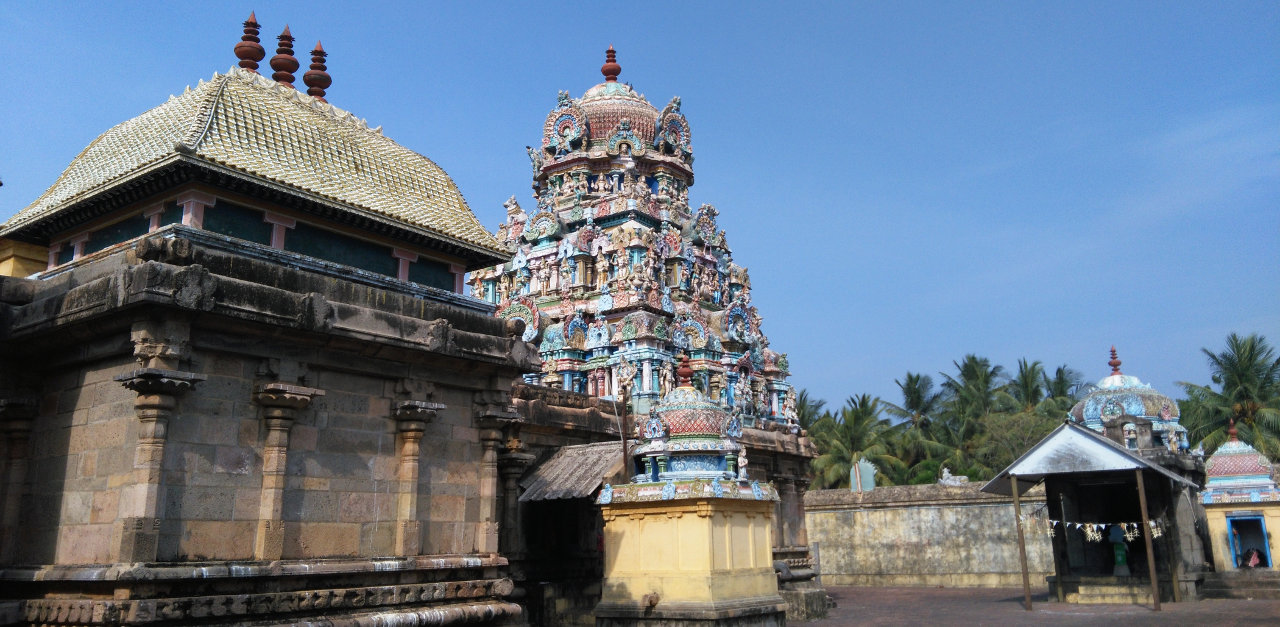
x: 981, y: 417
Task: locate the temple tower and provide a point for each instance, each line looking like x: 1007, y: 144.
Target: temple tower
x: 614, y: 272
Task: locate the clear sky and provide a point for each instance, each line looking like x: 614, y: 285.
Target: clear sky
x: 908, y: 182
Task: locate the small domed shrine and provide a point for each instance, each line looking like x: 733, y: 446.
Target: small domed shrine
x: 686, y: 542
x: 1146, y: 412
x: 690, y: 447
x: 1238, y: 473
x: 1240, y: 477
x: 614, y: 273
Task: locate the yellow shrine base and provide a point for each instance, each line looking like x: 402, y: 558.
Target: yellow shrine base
x: 695, y: 561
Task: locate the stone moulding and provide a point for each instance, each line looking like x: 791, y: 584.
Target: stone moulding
x: 450, y: 601
x: 909, y: 496
x: 238, y: 570
x: 283, y: 604
x: 199, y: 274
x: 159, y: 381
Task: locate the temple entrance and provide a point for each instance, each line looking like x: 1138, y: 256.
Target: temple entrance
x: 1248, y: 538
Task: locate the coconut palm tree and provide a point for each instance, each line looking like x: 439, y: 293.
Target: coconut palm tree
x: 855, y: 432
x: 1247, y: 374
x: 1065, y: 383
x: 808, y: 409
x: 919, y: 400
x: 975, y: 391
x: 1027, y: 387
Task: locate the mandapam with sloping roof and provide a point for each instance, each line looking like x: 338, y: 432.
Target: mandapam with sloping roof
x: 1071, y: 449
x: 252, y: 125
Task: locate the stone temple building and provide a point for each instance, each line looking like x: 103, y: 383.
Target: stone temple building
x: 240, y: 383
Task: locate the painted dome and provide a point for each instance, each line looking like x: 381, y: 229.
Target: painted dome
x: 1235, y: 460
x: 1238, y: 473
x: 609, y: 103
x: 686, y: 412
x: 688, y: 436
x: 1120, y: 394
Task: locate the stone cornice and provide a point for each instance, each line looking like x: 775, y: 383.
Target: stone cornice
x: 159, y: 381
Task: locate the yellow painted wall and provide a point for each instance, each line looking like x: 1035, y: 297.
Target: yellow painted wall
x: 21, y: 259
x: 695, y: 551
x: 1217, y: 515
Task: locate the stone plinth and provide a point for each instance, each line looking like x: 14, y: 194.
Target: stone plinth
x: 703, y: 561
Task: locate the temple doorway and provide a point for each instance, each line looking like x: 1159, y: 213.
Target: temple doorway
x: 1248, y: 537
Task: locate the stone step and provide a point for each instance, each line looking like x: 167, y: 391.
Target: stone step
x: 1117, y: 598
x: 1114, y: 589
x: 1241, y: 593
x: 1252, y: 575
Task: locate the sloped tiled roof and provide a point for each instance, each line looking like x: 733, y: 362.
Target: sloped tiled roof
x: 250, y: 124
x: 573, y: 472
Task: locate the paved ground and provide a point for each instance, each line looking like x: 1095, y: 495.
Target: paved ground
x: 1003, y: 606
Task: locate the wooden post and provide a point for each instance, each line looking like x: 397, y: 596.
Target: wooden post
x: 1022, y: 543
x: 1146, y: 536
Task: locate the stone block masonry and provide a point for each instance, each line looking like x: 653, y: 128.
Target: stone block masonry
x: 308, y: 465
x: 923, y: 535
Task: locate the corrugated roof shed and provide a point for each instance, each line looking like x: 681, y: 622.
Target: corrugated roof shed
x: 1071, y: 449
x: 573, y: 472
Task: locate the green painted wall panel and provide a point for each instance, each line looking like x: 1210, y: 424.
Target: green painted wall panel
x: 237, y: 221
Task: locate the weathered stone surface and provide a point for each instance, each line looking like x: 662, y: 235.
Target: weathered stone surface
x: 923, y: 535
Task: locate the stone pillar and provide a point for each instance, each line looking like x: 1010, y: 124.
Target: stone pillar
x: 487, y: 533
x: 802, y: 530
x: 789, y: 512
x: 647, y: 374
x: 142, y: 502
x: 15, y: 430
x: 280, y: 404
x: 493, y: 415
x: 512, y: 465
x: 411, y: 419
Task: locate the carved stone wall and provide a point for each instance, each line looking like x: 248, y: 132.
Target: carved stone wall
x: 271, y: 443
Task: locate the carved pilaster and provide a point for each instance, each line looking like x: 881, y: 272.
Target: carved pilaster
x: 16, y: 415
x: 411, y: 420
x: 512, y: 463
x: 280, y: 403
x: 141, y: 502
x: 802, y: 529
x: 789, y: 511
x: 487, y: 531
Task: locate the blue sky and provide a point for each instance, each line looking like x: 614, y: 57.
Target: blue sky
x: 908, y: 182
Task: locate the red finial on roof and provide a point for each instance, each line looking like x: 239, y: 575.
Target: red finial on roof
x: 684, y: 372
x: 610, y: 69
x: 283, y: 63
x: 1231, y: 429
x: 249, y: 50
x: 1115, y: 362
x: 316, y: 78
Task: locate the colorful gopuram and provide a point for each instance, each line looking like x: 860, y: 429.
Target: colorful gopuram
x: 1242, y: 501
x: 1151, y: 418
x: 614, y: 273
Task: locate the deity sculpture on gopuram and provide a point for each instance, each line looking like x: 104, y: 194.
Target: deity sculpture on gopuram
x: 614, y: 273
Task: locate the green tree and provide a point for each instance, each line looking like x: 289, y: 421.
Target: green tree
x: 919, y: 400
x: 1247, y: 374
x: 1027, y: 387
x: 1065, y: 383
x: 975, y: 390
x: 855, y: 432
x: 808, y: 409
